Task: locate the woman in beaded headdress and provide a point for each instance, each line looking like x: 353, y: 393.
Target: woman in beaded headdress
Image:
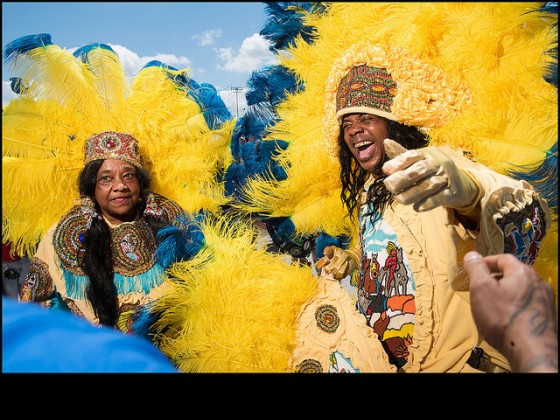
x: 97, y: 261
x: 78, y: 114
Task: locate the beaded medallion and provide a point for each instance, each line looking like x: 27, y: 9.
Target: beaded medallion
x: 327, y: 318
x: 38, y: 285
x: 523, y: 232
x: 134, y: 244
x: 169, y: 207
x: 309, y: 366
x: 67, y: 239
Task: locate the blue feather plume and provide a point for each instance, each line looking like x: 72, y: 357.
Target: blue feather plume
x: 180, y: 241
x: 271, y: 84
x: 324, y: 240
x: 24, y: 44
x: 82, y: 52
x: 234, y: 179
x: 285, y: 23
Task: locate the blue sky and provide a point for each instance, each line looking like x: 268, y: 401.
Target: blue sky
x: 218, y: 41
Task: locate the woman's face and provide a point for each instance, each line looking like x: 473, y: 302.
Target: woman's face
x: 117, y: 191
x: 364, y: 135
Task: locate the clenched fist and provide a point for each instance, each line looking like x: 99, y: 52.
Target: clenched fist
x: 338, y: 262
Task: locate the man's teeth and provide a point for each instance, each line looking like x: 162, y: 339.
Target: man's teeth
x: 362, y: 143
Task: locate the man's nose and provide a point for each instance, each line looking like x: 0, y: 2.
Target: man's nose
x: 355, y: 127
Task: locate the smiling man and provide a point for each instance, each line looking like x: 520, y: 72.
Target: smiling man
x: 419, y: 209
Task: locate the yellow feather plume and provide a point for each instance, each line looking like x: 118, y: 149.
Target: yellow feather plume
x: 498, y: 50
x: 71, y: 98
x: 232, y: 308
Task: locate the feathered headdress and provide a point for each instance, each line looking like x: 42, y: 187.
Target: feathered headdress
x: 502, y: 54
x: 183, y: 130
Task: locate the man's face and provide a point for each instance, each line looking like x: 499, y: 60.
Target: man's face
x: 364, y: 135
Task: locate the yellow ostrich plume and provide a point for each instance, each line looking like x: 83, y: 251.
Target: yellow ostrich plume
x: 37, y: 129
x: 233, y: 307
x: 185, y: 168
x: 158, y: 107
x: 24, y: 219
x: 498, y: 51
x: 65, y: 98
x: 67, y: 83
x: 104, y: 71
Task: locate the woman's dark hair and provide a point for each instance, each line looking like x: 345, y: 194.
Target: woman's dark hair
x: 353, y: 177
x: 97, y: 258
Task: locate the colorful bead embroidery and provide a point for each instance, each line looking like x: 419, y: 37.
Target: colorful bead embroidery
x: 112, y: 145
x: 327, y: 318
x: 309, y: 366
x: 152, y: 208
x: 366, y: 86
x: 38, y: 285
x: 134, y: 244
x: 523, y: 232
x: 67, y: 240
x: 170, y: 208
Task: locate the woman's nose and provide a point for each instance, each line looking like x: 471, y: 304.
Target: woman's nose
x: 119, y: 184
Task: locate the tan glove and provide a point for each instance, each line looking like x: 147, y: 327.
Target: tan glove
x: 426, y: 178
x: 339, y: 262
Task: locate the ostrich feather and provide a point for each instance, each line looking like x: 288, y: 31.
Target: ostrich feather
x: 179, y: 242
x: 54, y: 180
x: 110, y: 79
x: 52, y: 74
x: 271, y: 84
x: 286, y: 22
x: 205, y: 95
x: 36, y: 129
x: 504, y: 52
x: 226, y: 310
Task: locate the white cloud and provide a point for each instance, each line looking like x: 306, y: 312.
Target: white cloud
x: 132, y: 63
x: 253, y: 54
x: 7, y: 93
x: 207, y: 37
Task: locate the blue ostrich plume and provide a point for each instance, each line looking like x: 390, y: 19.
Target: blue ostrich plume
x: 285, y: 22
x: 24, y: 44
x: 82, y: 52
x: 180, y: 241
x: 271, y: 84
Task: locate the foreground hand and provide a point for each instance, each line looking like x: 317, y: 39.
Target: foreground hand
x: 426, y: 178
x: 514, y: 310
x: 338, y: 262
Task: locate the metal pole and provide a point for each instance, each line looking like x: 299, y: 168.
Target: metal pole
x: 237, y: 90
